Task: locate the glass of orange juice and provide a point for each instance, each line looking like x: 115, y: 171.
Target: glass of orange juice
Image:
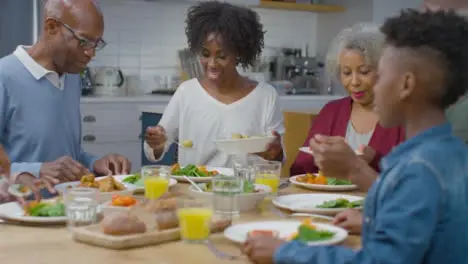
x: 268, y: 173
x: 194, y: 220
x: 156, y: 180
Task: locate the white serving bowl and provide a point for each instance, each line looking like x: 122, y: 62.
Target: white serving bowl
x: 245, y: 145
x: 247, y: 201
x: 103, y: 196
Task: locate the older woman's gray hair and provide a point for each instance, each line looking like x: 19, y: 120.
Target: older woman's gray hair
x: 363, y: 37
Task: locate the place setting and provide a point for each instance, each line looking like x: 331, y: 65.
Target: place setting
x: 142, y: 209
x: 319, y: 182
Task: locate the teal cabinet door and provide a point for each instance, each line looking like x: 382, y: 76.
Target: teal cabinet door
x: 152, y: 119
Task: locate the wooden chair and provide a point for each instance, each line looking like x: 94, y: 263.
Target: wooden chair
x: 297, y: 125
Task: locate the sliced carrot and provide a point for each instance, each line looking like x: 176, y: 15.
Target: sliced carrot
x: 308, y: 223
x: 175, y: 167
x: 124, y: 201
x: 321, y: 180
x: 292, y: 236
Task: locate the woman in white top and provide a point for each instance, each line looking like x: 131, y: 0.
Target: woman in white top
x: 222, y: 103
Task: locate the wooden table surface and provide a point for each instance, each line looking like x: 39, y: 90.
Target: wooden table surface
x: 50, y: 245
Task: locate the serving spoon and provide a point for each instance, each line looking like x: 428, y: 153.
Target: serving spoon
x: 193, y: 184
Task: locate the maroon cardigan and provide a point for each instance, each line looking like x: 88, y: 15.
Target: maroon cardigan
x: 333, y: 121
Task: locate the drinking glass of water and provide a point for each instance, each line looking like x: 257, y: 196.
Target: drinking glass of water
x: 81, y: 206
x: 226, y: 191
x: 243, y: 166
x: 268, y: 173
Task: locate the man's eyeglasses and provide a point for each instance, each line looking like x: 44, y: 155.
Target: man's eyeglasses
x: 84, y: 42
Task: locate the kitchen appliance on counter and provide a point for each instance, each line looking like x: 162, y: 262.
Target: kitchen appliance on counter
x: 161, y: 84
x: 190, y: 65
x: 109, y: 81
x: 306, y: 76
x: 304, y: 72
x: 87, y: 86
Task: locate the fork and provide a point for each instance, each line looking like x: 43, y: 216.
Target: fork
x: 277, y: 212
x: 220, y: 254
x: 284, y: 184
x: 182, y: 145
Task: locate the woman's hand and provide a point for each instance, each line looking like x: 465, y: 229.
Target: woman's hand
x: 156, y: 137
x: 333, y: 156
x: 367, y: 153
x: 274, y: 150
x: 350, y: 220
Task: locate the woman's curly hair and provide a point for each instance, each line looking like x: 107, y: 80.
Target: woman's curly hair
x: 239, y: 27
x: 365, y: 38
x: 442, y: 32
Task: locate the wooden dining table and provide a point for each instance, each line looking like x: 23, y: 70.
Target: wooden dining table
x: 51, y: 245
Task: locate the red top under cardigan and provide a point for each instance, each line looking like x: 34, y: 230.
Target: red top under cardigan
x: 333, y: 121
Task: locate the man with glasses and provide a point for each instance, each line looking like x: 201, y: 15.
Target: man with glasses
x: 40, y: 91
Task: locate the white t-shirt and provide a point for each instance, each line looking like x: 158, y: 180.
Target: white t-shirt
x: 193, y: 114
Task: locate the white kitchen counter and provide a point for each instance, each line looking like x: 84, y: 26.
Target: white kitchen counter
x: 289, y: 103
x: 157, y: 103
x: 126, y: 99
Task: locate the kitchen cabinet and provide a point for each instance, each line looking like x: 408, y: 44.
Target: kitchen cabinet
x: 131, y: 150
x: 112, y: 128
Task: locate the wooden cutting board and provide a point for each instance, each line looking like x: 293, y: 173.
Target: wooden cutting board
x: 93, y: 235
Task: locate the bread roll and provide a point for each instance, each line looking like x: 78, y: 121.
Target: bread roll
x: 160, y: 205
x: 167, y: 219
x: 122, y: 223
x: 164, y: 212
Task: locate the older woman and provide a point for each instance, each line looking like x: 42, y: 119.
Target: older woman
x: 353, y: 59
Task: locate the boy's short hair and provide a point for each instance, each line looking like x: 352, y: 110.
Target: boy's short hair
x: 438, y: 32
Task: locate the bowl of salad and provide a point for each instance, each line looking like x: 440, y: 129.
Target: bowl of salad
x: 249, y: 199
x: 197, y: 173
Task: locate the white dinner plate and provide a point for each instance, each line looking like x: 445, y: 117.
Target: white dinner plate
x: 224, y: 171
x: 307, y: 203
x: 14, y: 212
x: 103, y: 196
x: 138, y: 188
x: 310, y: 152
x: 306, y: 150
x: 238, y: 233
x: 244, y: 145
x: 322, y: 187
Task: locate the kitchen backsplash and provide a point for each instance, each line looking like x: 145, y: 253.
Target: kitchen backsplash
x: 143, y: 37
